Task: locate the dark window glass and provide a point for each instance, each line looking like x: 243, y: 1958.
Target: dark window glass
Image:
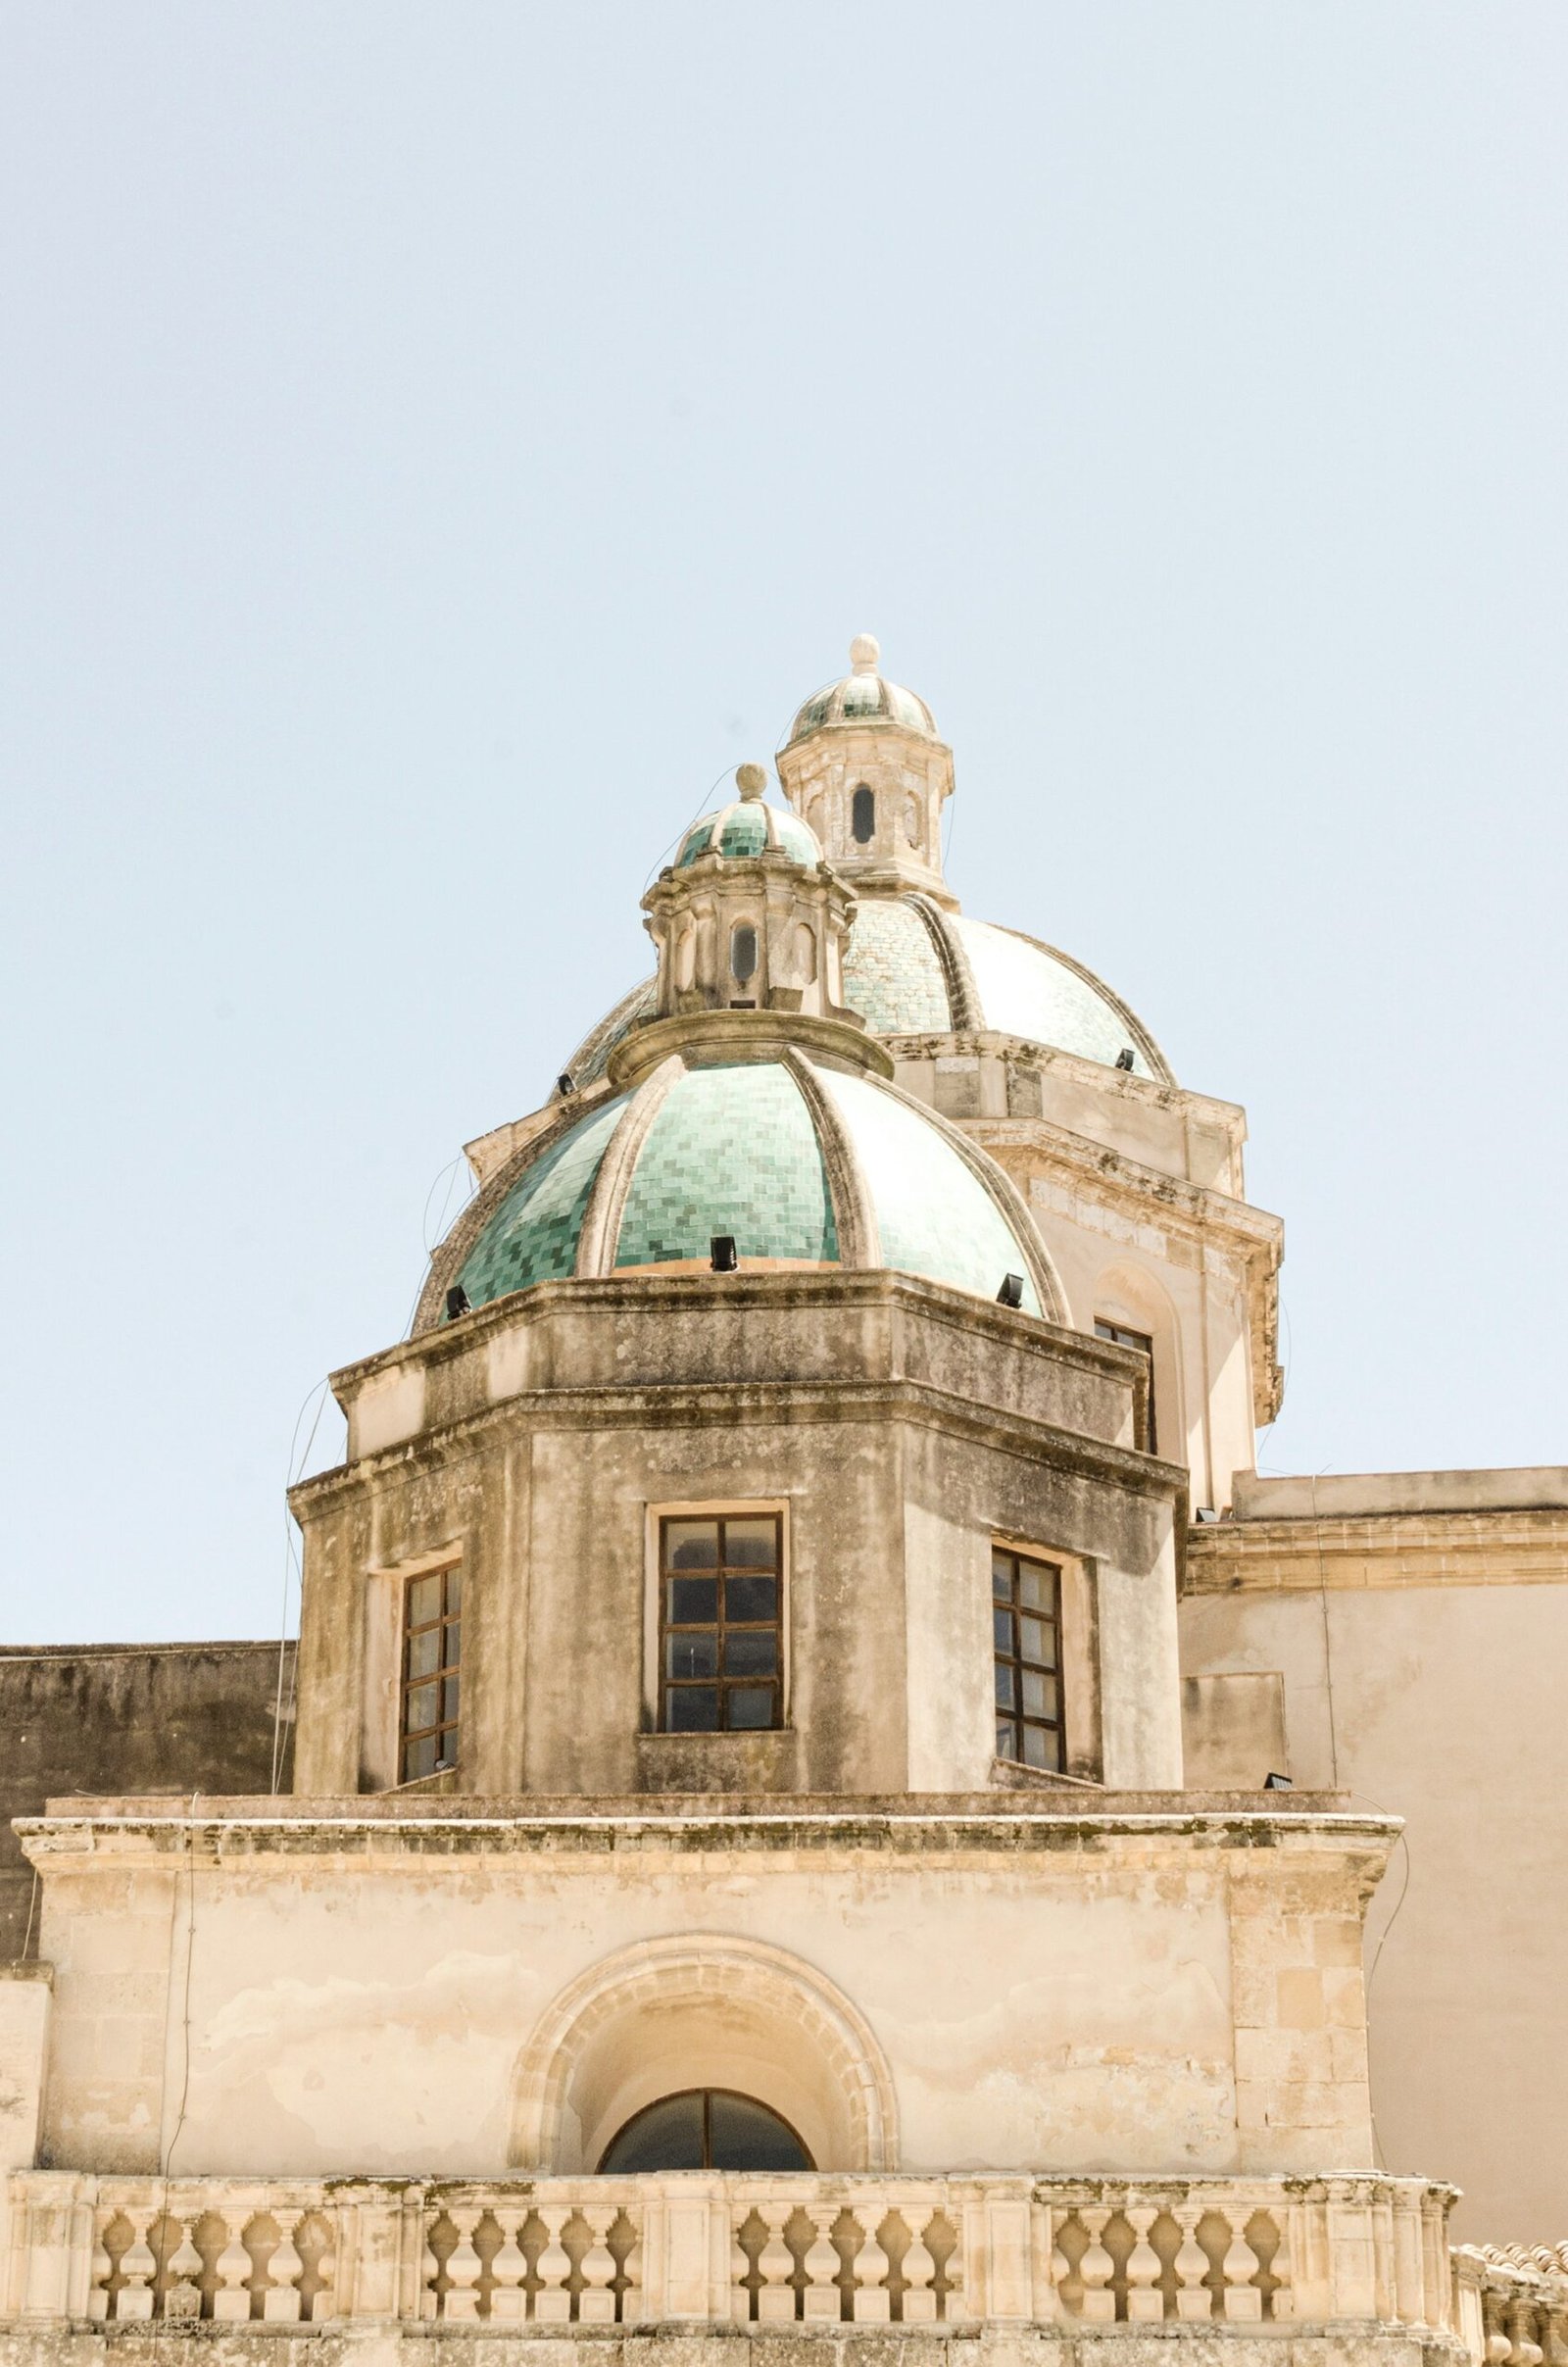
x: 1026, y: 1622
x: 863, y: 816
x: 706, y: 2129
x: 432, y: 1653
x: 743, y: 953
x: 1140, y: 1341
x: 720, y: 1649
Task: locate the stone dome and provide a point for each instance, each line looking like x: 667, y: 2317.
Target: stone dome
x: 912, y: 968
x: 803, y: 1162
x: 863, y: 695
x: 750, y: 826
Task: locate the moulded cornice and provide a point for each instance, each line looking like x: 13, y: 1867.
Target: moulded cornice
x: 744, y: 1035
x: 721, y: 1404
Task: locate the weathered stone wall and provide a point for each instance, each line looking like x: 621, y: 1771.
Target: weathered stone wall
x: 899, y: 1426
x: 128, y: 1717
x: 472, y: 1987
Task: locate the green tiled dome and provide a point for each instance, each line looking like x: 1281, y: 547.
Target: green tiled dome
x: 737, y: 1148
x: 862, y: 697
x: 750, y: 827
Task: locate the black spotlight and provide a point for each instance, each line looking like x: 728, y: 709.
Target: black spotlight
x: 564, y: 1085
x: 722, y: 1253
x: 456, y: 1302
x: 1124, y: 1057
x: 1278, y: 1783
x: 1012, y: 1291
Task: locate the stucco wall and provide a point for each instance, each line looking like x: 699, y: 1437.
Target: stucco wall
x: 1422, y: 1659
x: 1133, y: 1988
x: 127, y: 1717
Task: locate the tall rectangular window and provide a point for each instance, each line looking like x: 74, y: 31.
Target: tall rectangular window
x: 720, y: 1627
x: 1026, y: 1622
x: 432, y: 1662
x: 1140, y: 1341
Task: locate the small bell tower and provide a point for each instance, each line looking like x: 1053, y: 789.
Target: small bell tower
x: 865, y: 768
x: 749, y: 918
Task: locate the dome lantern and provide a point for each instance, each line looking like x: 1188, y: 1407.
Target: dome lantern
x: 748, y: 917
x: 865, y: 767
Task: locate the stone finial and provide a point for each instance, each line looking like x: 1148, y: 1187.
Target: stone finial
x: 751, y: 780
x: 865, y: 652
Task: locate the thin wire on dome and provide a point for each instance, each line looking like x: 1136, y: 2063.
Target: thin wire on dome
x: 686, y: 828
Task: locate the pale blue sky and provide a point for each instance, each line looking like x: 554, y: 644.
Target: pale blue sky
x: 439, y: 440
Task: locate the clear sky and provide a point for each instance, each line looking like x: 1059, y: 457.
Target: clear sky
x: 440, y: 440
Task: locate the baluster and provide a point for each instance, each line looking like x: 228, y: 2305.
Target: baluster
x: 103, y: 2267
x: 740, y: 2267
x: 1096, y: 2268
x: 631, y: 2299
x: 872, y: 2305
x: 1527, y: 2351
x: 954, y: 2303
x: 324, y: 2303
x: 552, y: 2304
x: 463, y: 2269
x: 280, y: 2302
x: 822, y: 2297
x: 596, y: 2303
x: 775, y: 2295
x: 429, y: 2265
x: 920, y: 2305
x: 1243, y: 2298
x: 1281, y: 2301
x: 1144, y: 2301
x: 182, y: 2291
x: 1193, y: 2296
x: 138, y: 2267
x: 509, y: 2300
x: 232, y: 2303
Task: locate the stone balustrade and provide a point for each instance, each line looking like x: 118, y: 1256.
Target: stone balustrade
x: 1511, y: 2304
x: 737, y: 2250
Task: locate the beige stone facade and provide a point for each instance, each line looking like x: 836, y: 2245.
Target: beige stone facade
x: 779, y: 1849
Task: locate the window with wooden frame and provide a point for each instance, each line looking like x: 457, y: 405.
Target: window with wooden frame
x: 432, y: 1673
x: 1142, y: 1345
x: 1026, y: 1626
x: 720, y: 1622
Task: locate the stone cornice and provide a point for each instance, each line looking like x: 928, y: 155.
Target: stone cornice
x: 1387, y: 1550
x: 720, y: 1404
x: 1134, y: 1189
x: 910, y: 1830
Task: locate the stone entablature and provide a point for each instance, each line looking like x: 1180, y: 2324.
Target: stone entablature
x: 695, y: 2250
x: 1394, y: 1549
x: 433, y: 1984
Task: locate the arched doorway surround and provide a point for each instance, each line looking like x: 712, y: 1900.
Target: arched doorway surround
x: 701, y: 2010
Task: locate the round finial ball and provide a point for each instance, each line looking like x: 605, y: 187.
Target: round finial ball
x: 751, y: 780
x: 865, y: 649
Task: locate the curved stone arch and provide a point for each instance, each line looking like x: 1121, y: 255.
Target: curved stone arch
x: 683, y: 2011
x: 1129, y: 1293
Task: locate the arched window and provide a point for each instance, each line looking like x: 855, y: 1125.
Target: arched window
x: 863, y: 816
x: 743, y: 951
x: 706, y: 2129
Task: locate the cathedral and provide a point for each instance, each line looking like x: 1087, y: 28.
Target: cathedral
x: 826, y: 1798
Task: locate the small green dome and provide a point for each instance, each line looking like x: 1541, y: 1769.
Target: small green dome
x: 863, y: 695
x: 738, y: 1148
x: 750, y: 826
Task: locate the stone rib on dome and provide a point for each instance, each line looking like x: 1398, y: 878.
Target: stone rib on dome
x: 803, y: 1165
